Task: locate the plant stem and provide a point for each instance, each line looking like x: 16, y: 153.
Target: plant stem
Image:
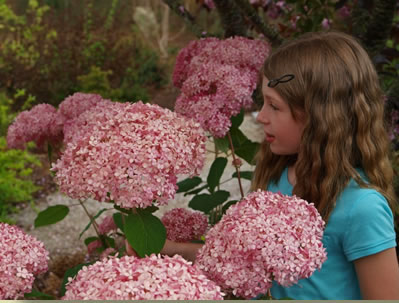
x: 235, y: 164
x: 91, y: 218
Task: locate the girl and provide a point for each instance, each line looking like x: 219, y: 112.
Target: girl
x: 326, y: 143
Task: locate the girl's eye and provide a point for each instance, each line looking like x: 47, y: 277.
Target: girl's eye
x: 273, y: 106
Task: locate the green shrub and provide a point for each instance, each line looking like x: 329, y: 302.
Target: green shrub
x: 15, y: 183
x: 67, y: 45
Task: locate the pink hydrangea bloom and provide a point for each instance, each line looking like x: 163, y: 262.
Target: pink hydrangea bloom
x: 21, y: 258
x: 217, y: 79
x: 214, y: 94
x: 73, y: 106
x: 107, y: 225
x: 92, y: 246
x: 183, y: 225
x: 266, y: 236
x: 184, y: 57
x: 71, y: 112
x: 150, y: 278
x: 40, y: 124
x: 131, y: 154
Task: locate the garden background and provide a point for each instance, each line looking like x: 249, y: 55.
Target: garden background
x: 125, y: 50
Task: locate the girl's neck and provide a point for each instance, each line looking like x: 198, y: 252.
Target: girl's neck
x: 291, y: 175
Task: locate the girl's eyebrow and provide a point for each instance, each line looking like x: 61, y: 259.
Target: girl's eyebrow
x: 270, y: 97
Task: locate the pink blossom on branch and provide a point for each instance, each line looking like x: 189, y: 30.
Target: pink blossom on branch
x: 150, y: 278
x: 40, y: 125
x: 183, y: 224
x: 131, y: 154
x: 266, y: 236
x: 21, y: 258
x: 217, y: 79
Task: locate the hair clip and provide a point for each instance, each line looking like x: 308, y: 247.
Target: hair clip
x: 282, y: 79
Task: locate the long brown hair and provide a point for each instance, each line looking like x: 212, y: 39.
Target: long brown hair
x: 337, y: 89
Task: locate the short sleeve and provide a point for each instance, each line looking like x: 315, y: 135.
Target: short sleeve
x: 370, y: 228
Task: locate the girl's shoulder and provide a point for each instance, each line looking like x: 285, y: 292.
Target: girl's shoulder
x: 362, y: 221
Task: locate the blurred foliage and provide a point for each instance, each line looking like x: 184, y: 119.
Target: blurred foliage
x: 53, y: 48
x: 15, y: 184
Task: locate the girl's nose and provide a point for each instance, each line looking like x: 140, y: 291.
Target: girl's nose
x: 262, y: 116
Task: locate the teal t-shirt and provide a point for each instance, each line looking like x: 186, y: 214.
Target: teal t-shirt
x: 360, y: 225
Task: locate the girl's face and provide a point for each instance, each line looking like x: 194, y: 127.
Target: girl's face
x: 282, y: 131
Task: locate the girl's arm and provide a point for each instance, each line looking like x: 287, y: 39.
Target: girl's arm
x: 187, y: 250
x: 378, y: 275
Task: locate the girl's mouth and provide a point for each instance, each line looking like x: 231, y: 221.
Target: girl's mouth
x: 270, y: 138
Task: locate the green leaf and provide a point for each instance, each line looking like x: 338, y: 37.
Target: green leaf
x: 238, y: 137
x: 39, y: 295
x: 149, y: 209
x: 145, y: 233
x: 196, y: 191
x: 90, y: 239
x: 123, y: 210
x: 188, y: 184
x: 222, y: 144
x: 201, y: 202
x: 247, y: 151
x: 108, y: 241
x: 207, y: 202
x: 216, y: 172
x: 237, y: 120
x: 118, y: 220
x: 247, y: 175
x: 91, y: 221
x: 71, y: 272
x: 51, y: 215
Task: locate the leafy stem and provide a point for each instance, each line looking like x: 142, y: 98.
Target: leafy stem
x: 236, y: 165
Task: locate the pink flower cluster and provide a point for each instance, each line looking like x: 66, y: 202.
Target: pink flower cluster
x: 107, y: 225
x: 184, y: 225
x: 150, y: 278
x: 21, y: 258
x: 73, y: 106
x: 40, y: 124
x: 217, y: 79
x: 76, y: 110
x: 266, y: 236
x: 130, y: 154
x: 43, y: 123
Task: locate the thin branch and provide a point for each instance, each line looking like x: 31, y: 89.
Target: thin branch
x: 258, y: 22
x: 178, y: 8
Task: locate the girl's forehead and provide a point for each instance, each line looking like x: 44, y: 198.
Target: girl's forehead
x: 269, y: 91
